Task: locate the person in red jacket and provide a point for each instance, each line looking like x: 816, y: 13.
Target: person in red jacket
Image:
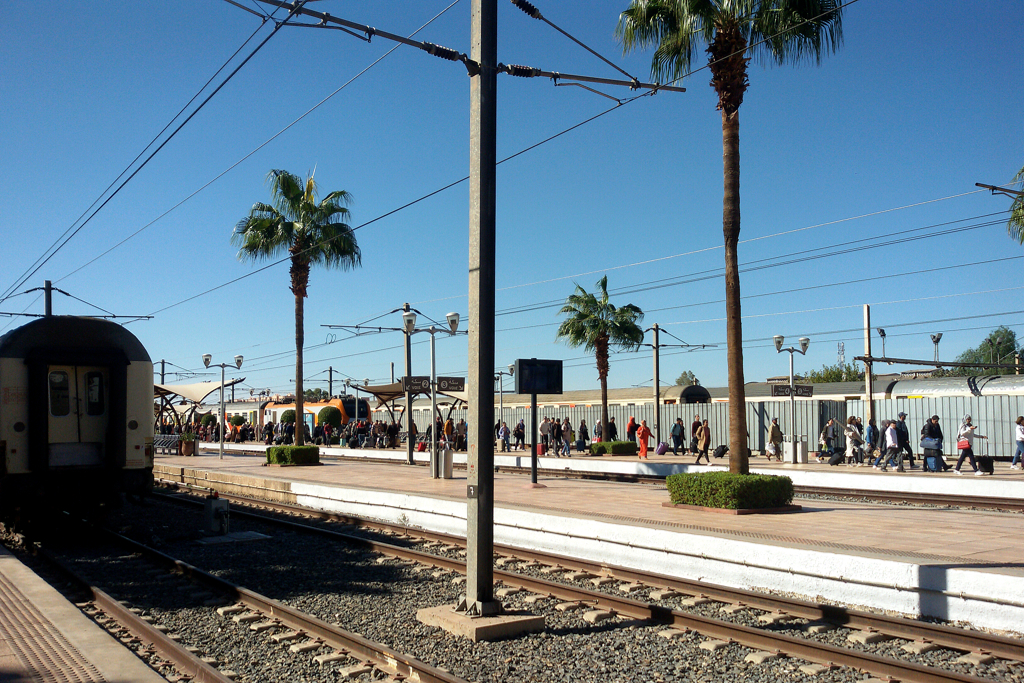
x: 642, y: 434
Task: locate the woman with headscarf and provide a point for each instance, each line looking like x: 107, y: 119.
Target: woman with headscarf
x: 854, y: 440
x: 965, y: 442
x: 631, y: 429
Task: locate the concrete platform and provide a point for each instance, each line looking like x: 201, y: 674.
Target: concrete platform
x: 946, y: 563
x: 1005, y: 483
x: 43, y: 637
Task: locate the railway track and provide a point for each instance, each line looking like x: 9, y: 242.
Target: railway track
x: 987, y: 503
x: 300, y: 633
x: 774, y: 624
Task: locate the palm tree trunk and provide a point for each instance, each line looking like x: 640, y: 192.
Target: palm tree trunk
x: 602, y: 374
x: 300, y: 338
x: 738, y: 455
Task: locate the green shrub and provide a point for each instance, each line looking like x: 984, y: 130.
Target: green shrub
x: 288, y: 416
x: 208, y: 419
x: 293, y: 455
x: 730, y: 491
x: 329, y: 415
x: 237, y: 420
x: 613, y: 447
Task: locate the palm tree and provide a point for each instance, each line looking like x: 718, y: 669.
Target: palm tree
x: 596, y: 324
x: 1016, y: 225
x: 312, y: 233
x: 733, y: 32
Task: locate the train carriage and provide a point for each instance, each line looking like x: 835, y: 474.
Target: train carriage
x: 76, y: 398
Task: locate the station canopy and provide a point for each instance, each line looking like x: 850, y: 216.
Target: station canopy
x: 195, y: 393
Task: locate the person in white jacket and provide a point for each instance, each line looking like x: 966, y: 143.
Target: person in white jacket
x: 1019, y: 437
x: 967, y: 433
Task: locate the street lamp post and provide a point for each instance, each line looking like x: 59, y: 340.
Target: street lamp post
x: 881, y: 333
x: 935, y: 340
x: 409, y: 326
x: 501, y: 390
x: 804, y: 343
x: 238, y: 364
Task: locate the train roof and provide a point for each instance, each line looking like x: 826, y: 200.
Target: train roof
x: 983, y: 385
x: 67, y: 333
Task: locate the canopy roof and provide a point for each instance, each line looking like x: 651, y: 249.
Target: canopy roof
x: 191, y: 392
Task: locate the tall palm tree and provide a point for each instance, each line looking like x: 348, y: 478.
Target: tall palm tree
x: 1016, y: 225
x: 596, y: 324
x: 733, y: 32
x: 312, y: 233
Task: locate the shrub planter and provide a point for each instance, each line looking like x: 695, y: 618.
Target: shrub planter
x: 287, y: 456
x: 613, y: 448
x: 737, y: 494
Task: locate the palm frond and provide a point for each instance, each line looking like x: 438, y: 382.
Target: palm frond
x: 1015, y: 227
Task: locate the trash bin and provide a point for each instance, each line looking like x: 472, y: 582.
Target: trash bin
x: 795, y: 452
x: 447, y: 463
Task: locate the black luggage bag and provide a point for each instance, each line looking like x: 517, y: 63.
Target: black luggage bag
x: 837, y: 458
x: 985, y: 464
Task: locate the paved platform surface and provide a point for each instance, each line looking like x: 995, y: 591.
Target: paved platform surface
x: 43, y: 637
x: 988, y: 541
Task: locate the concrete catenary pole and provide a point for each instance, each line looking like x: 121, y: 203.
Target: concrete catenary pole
x: 480, y: 457
x: 410, y: 441
x: 869, y: 392
x: 47, y: 298
x: 330, y: 384
x: 657, y: 388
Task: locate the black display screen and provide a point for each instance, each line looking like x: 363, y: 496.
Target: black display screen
x: 534, y: 376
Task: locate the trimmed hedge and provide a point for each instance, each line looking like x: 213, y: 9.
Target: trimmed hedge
x: 613, y: 447
x: 293, y: 455
x: 730, y: 491
x: 208, y: 420
x: 329, y: 415
x: 237, y: 420
x: 288, y: 416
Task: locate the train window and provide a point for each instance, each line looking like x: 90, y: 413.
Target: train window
x: 60, y: 396
x: 94, y: 403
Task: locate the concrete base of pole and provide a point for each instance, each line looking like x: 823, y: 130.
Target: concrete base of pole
x: 534, y: 486
x: 492, y: 627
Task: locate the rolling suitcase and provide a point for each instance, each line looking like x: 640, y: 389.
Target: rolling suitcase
x: 661, y: 449
x: 985, y: 464
x: 837, y: 458
x: 581, y: 445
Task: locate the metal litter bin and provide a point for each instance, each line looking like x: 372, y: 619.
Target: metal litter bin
x: 795, y: 452
x: 447, y: 463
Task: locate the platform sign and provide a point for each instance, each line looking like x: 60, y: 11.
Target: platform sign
x: 416, y: 383
x: 451, y: 383
x: 800, y: 390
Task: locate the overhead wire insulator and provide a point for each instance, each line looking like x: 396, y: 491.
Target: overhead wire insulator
x: 528, y: 8
x: 443, y: 52
x: 522, y: 71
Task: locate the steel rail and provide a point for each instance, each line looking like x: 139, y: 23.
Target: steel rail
x: 184, y: 661
x: 345, y: 641
x: 942, y: 635
x: 812, y: 650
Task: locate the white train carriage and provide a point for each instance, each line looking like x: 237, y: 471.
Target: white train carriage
x: 76, y: 397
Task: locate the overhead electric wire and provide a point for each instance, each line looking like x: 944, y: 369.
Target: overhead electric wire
x: 139, y: 155
x: 298, y: 4
x: 261, y: 146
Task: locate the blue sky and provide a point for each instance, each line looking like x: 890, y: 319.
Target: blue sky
x: 919, y: 104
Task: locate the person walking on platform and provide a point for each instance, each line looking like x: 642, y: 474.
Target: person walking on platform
x: 566, y: 438
x: 631, y: 429
x: 703, y: 441
x: 556, y: 436
x: 643, y: 433
x: 520, y: 436
x: 965, y: 442
x: 775, y: 440
x: 678, y: 435
x: 931, y: 442
x: 613, y: 431
x: 1019, y: 438
x: 582, y: 435
x: 694, y: 433
x: 545, y: 433
x: 503, y: 434
x: 888, y: 454
x: 904, y: 434
x: 597, y: 430
x: 854, y: 441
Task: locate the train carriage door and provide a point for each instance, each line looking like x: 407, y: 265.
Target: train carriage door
x: 77, y: 398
